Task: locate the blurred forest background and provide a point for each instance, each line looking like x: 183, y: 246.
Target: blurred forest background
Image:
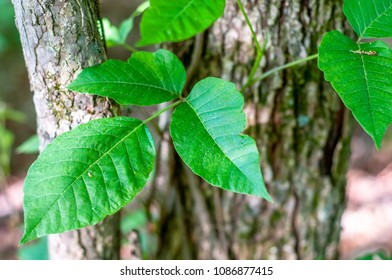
x: 366, y: 223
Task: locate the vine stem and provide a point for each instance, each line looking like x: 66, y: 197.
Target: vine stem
x: 280, y: 68
x: 161, y: 111
x: 249, y: 24
x: 259, y: 50
x: 129, y: 47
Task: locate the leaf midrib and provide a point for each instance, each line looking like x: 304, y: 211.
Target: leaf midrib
x: 373, y: 21
x: 368, y: 93
x: 80, y: 176
x: 169, y: 23
x: 175, y: 94
x: 190, y: 105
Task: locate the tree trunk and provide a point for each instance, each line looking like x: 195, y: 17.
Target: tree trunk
x: 301, y: 128
x: 59, y: 39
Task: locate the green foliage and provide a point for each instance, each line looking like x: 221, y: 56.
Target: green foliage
x: 7, y: 113
x: 356, y: 77
x: 35, y: 251
x: 146, y: 79
x: 361, y: 72
x: 6, y: 141
x: 9, y: 37
x: 30, y: 146
x: 113, y: 35
x: 117, y: 36
x: 174, y: 21
x: 97, y: 168
x: 87, y: 174
x: 206, y: 134
x: 133, y: 220
x: 137, y: 220
x: 7, y: 138
x: 369, y: 18
x: 381, y: 255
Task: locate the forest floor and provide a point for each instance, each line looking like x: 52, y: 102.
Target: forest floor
x: 366, y: 222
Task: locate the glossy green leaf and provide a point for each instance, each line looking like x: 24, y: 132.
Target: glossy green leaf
x: 174, y: 21
x: 87, y: 174
x: 206, y: 131
x: 146, y: 79
x: 369, y: 18
x: 362, y: 76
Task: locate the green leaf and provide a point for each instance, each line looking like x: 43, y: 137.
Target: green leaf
x: 206, y: 131
x: 141, y: 9
x: 35, y: 251
x: 6, y: 141
x: 125, y: 27
x: 30, y: 146
x: 174, y: 21
x: 133, y: 220
x: 87, y: 174
x: 117, y: 36
x: 369, y: 18
x: 380, y: 255
x: 361, y: 74
x: 146, y: 79
x: 112, y: 34
x: 7, y: 113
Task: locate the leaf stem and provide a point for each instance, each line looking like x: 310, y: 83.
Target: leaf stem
x: 161, y: 111
x: 280, y: 68
x: 129, y: 47
x: 256, y: 64
x: 257, y: 44
x: 259, y: 50
x: 154, y: 124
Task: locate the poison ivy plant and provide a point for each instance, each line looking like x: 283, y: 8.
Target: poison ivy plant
x: 159, y: 76
x: 117, y: 36
x: 369, y: 18
x: 206, y: 130
x: 174, y: 21
x: 86, y: 174
x: 97, y: 168
x: 361, y: 72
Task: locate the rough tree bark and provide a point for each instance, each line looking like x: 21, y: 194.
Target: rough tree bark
x: 59, y: 39
x: 302, y: 130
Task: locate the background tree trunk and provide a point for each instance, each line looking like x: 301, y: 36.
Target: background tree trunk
x: 302, y: 131
x: 59, y: 39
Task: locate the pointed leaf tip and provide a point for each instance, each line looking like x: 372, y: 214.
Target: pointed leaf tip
x: 146, y: 79
x: 361, y: 75
x: 206, y: 131
x: 85, y: 175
